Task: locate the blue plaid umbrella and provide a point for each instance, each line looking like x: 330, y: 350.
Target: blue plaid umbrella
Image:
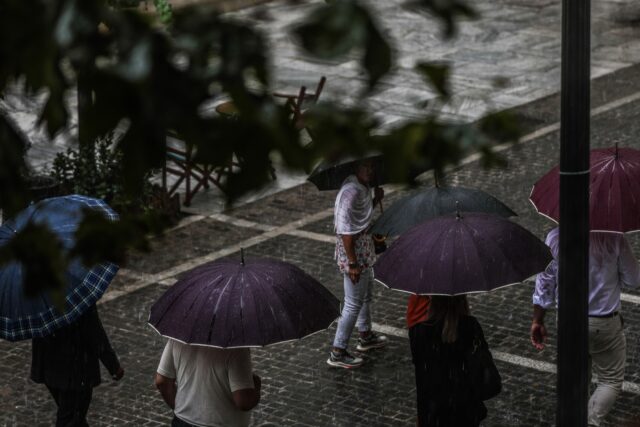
x: 24, y: 318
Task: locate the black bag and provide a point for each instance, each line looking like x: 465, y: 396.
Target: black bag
x: 485, y: 378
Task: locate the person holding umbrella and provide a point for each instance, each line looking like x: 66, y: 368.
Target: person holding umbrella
x: 355, y: 254
x: 213, y: 315
x: 611, y: 266
x: 68, y: 339
x: 439, y: 261
x: 207, y: 386
x: 446, y: 394
x: 67, y: 363
x: 614, y: 209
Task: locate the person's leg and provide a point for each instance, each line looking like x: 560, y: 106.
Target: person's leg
x: 607, y: 348
x: 84, y: 400
x: 353, y: 300
x: 368, y: 340
x: 363, y: 323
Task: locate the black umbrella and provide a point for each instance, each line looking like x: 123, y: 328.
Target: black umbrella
x: 331, y: 175
x: 412, y: 210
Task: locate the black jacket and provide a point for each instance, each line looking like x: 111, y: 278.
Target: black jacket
x: 68, y: 359
x: 445, y: 395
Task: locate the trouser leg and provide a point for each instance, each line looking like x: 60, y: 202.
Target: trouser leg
x: 353, y: 299
x: 363, y: 324
x: 607, y: 350
x: 73, y: 406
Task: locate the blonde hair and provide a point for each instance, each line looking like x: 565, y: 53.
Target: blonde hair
x: 450, y: 309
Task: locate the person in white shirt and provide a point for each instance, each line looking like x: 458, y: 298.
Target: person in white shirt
x: 207, y: 386
x: 611, y: 266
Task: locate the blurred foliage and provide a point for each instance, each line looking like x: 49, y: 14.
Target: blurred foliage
x: 147, y: 80
x: 164, y: 10
x: 44, y: 263
x: 97, y: 171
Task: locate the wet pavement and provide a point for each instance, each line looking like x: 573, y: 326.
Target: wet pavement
x: 295, y: 225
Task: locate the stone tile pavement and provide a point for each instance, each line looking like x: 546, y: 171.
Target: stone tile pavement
x: 295, y: 225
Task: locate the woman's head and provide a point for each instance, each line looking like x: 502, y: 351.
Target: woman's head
x: 451, y: 309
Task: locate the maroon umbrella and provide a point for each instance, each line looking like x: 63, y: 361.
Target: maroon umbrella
x: 461, y: 254
x: 228, y: 304
x: 614, y: 191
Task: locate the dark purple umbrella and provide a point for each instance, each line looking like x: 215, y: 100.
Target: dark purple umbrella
x: 614, y: 189
x: 461, y: 254
x: 228, y: 304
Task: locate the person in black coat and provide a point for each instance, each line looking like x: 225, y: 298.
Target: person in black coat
x: 67, y: 363
x: 446, y: 393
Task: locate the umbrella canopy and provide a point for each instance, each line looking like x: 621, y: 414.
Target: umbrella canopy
x: 412, y: 210
x: 461, y: 254
x: 331, y: 175
x: 23, y: 318
x: 614, y: 199
x: 229, y: 304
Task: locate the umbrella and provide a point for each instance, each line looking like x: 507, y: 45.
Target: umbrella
x: 23, y: 318
x: 331, y: 175
x: 229, y: 304
x: 614, y: 189
x: 460, y: 254
x: 412, y: 210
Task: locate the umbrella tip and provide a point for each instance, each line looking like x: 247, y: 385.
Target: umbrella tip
x: 242, y: 256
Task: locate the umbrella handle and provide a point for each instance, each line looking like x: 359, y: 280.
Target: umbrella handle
x: 380, y: 203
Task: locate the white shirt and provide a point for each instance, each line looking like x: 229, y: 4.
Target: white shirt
x: 206, y: 378
x: 354, y: 207
x: 611, y: 266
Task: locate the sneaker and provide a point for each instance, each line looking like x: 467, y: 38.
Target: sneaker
x: 344, y: 360
x: 371, y: 341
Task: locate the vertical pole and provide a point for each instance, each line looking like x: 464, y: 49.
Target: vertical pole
x: 573, y: 275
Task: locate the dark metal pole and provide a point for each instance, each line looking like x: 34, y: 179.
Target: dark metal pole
x: 573, y: 275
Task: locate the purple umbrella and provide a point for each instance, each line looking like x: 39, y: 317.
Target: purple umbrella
x: 229, y: 303
x: 461, y: 254
x: 614, y: 201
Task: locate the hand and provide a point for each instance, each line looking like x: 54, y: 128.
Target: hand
x: 538, y: 335
x: 354, y: 274
x: 257, y: 382
x: 119, y: 374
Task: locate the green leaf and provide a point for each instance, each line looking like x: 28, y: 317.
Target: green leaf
x: 446, y: 11
x: 501, y: 126
x: 437, y: 76
x: 377, y: 59
x: 13, y: 168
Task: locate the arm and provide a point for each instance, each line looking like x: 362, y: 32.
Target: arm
x: 538, y: 329
x: 544, y: 295
x: 248, y: 398
x: 167, y: 388
x: 102, y: 347
x: 245, y: 386
x: 628, y: 268
x: 349, y: 242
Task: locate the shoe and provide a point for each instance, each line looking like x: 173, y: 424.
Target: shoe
x: 344, y: 360
x: 371, y: 341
